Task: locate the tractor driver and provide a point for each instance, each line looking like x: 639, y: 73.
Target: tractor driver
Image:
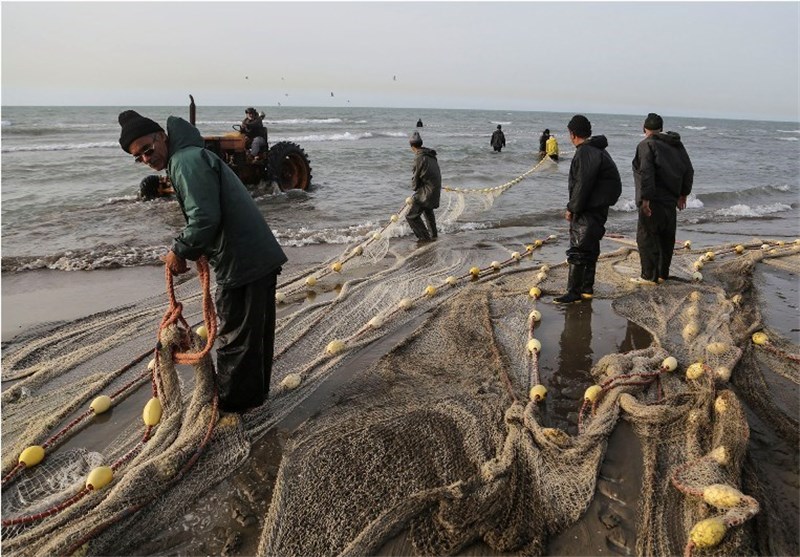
x: 253, y: 128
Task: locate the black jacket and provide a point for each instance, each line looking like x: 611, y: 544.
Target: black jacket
x: 427, y: 178
x: 498, y: 139
x: 594, y: 181
x: 662, y: 171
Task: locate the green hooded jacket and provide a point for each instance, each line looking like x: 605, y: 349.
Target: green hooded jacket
x: 222, y: 220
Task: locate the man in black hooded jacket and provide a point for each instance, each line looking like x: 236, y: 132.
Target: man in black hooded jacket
x: 663, y: 175
x: 594, y: 186
x: 426, y: 181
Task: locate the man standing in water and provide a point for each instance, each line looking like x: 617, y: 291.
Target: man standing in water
x: 498, y: 140
x: 426, y: 182
x: 663, y: 175
x: 224, y: 224
x: 594, y: 186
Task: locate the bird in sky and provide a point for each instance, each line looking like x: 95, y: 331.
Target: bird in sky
x: 395, y: 78
x: 331, y: 93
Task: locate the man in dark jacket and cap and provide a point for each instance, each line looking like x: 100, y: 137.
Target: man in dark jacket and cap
x: 594, y: 186
x: 498, y: 140
x: 663, y: 176
x: 426, y: 181
x: 224, y: 224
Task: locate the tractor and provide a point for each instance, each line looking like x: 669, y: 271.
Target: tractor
x: 284, y: 164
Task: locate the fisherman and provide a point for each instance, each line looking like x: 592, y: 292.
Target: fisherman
x: 224, y: 224
x: 419, y: 123
x: 552, y: 148
x: 543, y: 143
x: 253, y: 128
x: 663, y: 176
x: 426, y: 182
x: 498, y: 140
x: 594, y: 185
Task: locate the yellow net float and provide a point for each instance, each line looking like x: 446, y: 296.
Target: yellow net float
x: 409, y: 200
x: 687, y: 244
x: 695, y: 296
x: 32, y: 455
x: 697, y: 276
x: 720, y: 455
x: 405, y: 303
x: 760, y: 338
x: 765, y: 247
x: 101, y: 404
x: 739, y: 249
x: 430, y: 291
x: 537, y: 243
x: 516, y: 256
x: 541, y: 276
x: 394, y: 218
x: 529, y: 247
x: 202, y: 332
x: 311, y: 281
x: 707, y: 533
x: 722, y: 496
x: 152, y: 412
x: 723, y: 373
x: 534, y: 346
x: 496, y: 265
x: 280, y: 297
x: 334, y: 347
x: 698, y: 265
x: 781, y: 243
x: 475, y: 271
x: 358, y: 250
x: 717, y: 348
x: 291, y: 381
x: 736, y: 299
x: 544, y: 268
x: 336, y: 267
x: 376, y: 236
x: 538, y: 392
x: 451, y: 280
x: 709, y: 256
x: 151, y: 365
x: 99, y: 477
x: 720, y: 406
x: 535, y: 316
x: 690, y: 331
x: 670, y: 363
x: 592, y: 393
x: 376, y: 322
x: 535, y: 292
x: 695, y: 371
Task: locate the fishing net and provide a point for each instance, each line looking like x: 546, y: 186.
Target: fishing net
x: 446, y: 439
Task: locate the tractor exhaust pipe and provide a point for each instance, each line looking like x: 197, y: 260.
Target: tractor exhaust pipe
x: 192, y: 111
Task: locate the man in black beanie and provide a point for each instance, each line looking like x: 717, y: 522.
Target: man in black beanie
x: 663, y: 176
x: 224, y: 224
x: 594, y: 186
x: 498, y: 140
x: 426, y: 181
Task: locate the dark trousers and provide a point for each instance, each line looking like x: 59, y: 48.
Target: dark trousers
x: 414, y: 218
x: 585, y: 232
x: 655, y: 238
x: 245, y: 343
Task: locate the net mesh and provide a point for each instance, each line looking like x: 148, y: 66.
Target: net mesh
x: 445, y: 438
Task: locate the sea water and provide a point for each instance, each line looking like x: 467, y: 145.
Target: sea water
x: 69, y: 193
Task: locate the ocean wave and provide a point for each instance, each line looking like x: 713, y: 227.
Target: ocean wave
x: 789, y: 131
x: 629, y: 205
x: 105, y: 257
x: 62, y: 147
x: 789, y: 138
x: 760, y: 192
x: 697, y: 128
x: 759, y: 211
x: 345, y: 136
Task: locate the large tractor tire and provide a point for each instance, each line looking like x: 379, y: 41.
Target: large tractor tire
x: 288, y: 166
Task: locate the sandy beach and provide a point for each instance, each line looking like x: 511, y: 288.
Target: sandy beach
x: 228, y: 520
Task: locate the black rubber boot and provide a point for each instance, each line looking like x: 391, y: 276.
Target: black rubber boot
x: 431, y: 218
x: 574, y: 283
x: 419, y: 229
x: 587, y: 285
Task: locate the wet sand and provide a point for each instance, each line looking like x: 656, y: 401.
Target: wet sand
x: 228, y: 520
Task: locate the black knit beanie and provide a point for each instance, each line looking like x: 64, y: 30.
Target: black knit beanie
x: 580, y: 126
x: 415, y: 140
x: 653, y: 122
x: 134, y: 126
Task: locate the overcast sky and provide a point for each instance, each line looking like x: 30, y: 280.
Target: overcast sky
x: 716, y: 59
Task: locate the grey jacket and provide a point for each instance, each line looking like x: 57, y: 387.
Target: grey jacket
x: 427, y: 179
x: 662, y: 170
x: 222, y: 220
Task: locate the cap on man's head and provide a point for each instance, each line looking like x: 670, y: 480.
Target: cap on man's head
x: 653, y: 122
x: 499, y: 127
x: 250, y: 110
x: 415, y: 140
x: 547, y: 131
x: 134, y: 126
x: 580, y: 126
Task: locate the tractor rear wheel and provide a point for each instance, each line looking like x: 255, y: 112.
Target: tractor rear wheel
x: 288, y: 166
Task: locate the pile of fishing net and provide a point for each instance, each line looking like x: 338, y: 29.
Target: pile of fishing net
x: 443, y: 439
